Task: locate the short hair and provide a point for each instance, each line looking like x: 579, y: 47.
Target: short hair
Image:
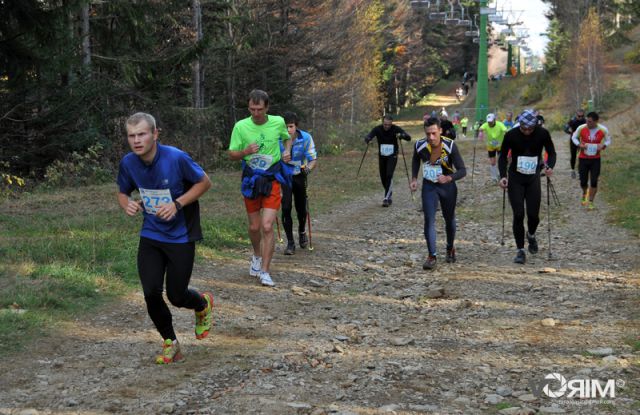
x: 290, y: 117
x: 258, y: 95
x: 387, y: 117
x: 593, y: 115
x: 580, y: 110
x: 138, y: 117
x: 432, y: 121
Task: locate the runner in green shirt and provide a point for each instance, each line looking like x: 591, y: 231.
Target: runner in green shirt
x: 256, y: 141
x: 494, y: 132
x: 463, y: 123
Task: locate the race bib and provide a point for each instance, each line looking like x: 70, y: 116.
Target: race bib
x: 431, y: 173
x: 527, y: 165
x: 296, y: 166
x: 260, y: 161
x: 494, y: 143
x: 386, y: 149
x: 591, y: 149
x: 152, y: 199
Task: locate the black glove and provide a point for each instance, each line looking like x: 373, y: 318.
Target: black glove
x: 368, y: 139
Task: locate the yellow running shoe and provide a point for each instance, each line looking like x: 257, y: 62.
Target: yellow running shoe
x: 584, y: 201
x: 170, y: 352
x: 204, y: 318
x: 590, y: 206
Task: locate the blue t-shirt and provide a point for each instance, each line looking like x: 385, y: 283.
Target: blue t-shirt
x: 170, y: 175
x: 303, y: 150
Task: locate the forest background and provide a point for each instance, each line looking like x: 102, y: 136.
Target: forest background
x: 71, y: 71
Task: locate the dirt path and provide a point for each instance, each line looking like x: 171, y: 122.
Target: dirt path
x: 357, y: 327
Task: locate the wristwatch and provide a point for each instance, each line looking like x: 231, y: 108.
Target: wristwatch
x: 178, y: 205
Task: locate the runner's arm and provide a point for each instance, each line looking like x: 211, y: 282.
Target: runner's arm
x: 197, y: 190
x: 311, y: 154
x: 240, y: 154
x: 130, y: 206
x: 502, y: 160
x: 170, y: 210
x: 415, y: 164
x: 551, y: 152
x: 404, y: 135
x: 458, y: 163
x: 371, y: 135
x: 415, y: 168
x: 286, y: 154
x: 607, y: 137
x: 575, y: 137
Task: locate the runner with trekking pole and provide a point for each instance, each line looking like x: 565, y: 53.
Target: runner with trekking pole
x: 303, y: 160
x: 522, y: 180
x: 387, y: 135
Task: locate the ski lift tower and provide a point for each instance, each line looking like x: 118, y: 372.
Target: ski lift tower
x: 482, y: 91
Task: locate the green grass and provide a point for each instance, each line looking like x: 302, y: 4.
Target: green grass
x: 621, y: 183
x: 503, y: 405
x: 634, y: 343
x: 66, y: 251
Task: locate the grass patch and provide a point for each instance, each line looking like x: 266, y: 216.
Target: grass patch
x: 634, y: 343
x: 621, y: 179
x: 617, y: 96
x: 65, y: 251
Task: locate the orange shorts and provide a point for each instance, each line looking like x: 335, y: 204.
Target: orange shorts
x: 270, y: 202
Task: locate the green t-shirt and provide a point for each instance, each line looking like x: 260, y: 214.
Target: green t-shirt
x: 494, y: 135
x: 267, y: 136
x: 464, y: 122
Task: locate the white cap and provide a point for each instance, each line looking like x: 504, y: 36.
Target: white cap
x: 491, y: 117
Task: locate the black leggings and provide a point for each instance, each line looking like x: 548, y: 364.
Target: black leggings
x: 446, y: 195
x: 589, y: 170
x: 299, y: 195
x: 574, y: 152
x: 176, y: 260
x: 524, y: 191
x: 387, y: 166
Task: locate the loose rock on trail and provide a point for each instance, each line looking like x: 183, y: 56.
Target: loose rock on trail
x: 357, y: 327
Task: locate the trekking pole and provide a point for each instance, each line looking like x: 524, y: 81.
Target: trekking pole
x: 556, y: 200
x: 361, y: 161
x: 549, y: 215
x: 278, y: 228
x: 504, y: 191
x: 473, y: 161
x: 309, y: 226
x: 406, y: 169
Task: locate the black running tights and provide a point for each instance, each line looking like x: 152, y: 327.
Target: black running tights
x: 155, y: 259
x: 299, y: 195
x: 524, y: 192
x: 387, y: 166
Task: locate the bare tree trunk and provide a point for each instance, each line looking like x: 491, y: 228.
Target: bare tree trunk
x: 198, y: 99
x: 86, y: 41
x: 230, y: 65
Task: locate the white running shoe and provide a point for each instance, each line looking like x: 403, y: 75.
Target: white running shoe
x: 256, y: 266
x: 265, y: 279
